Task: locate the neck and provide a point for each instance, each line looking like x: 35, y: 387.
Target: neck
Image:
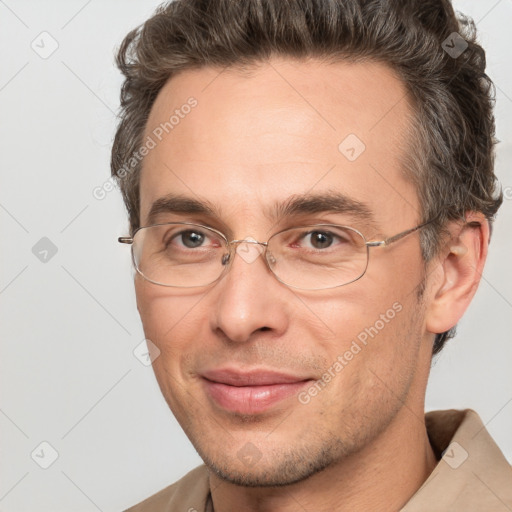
x: 382, y: 476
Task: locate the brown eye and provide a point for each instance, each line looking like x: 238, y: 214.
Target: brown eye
x: 321, y: 240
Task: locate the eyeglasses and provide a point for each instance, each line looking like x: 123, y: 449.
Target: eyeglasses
x: 314, y: 257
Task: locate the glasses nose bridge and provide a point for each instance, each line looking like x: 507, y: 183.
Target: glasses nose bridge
x: 249, y: 240
x: 233, y: 245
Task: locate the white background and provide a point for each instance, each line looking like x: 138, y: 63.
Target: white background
x: 67, y: 372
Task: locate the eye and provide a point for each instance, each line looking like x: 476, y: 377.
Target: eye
x: 190, y: 238
x: 322, y: 239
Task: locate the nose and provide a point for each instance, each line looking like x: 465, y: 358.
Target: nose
x: 249, y: 299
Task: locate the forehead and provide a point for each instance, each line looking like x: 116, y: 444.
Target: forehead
x: 283, y: 128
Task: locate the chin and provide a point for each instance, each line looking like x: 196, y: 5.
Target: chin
x: 277, y: 471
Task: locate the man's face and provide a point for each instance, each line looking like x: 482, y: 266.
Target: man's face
x: 239, y: 358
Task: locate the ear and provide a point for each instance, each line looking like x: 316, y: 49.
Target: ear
x: 460, y: 267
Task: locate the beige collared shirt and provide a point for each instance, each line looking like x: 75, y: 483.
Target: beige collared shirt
x: 472, y: 475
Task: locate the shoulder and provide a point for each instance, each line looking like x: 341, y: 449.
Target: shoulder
x: 187, y: 494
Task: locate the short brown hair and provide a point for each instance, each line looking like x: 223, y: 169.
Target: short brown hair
x: 451, y: 154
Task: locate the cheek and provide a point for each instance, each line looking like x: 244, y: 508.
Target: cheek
x: 371, y: 326
x: 342, y: 314
x: 169, y: 318
x: 173, y: 322
x: 377, y: 361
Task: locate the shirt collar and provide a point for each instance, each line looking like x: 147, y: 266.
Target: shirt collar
x: 472, y: 473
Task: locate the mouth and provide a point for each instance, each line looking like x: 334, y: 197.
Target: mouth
x: 251, y: 392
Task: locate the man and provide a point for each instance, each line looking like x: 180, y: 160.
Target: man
x: 310, y: 189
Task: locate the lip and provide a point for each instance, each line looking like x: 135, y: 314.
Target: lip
x: 252, y: 392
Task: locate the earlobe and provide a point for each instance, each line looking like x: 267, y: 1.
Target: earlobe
x: 460, y: 268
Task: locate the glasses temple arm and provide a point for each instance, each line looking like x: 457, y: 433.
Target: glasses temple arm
x: 399, y: 236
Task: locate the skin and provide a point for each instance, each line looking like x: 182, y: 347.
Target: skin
x: 260, y: 137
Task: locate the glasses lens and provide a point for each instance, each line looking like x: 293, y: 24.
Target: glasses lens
x: 309, y: 258
x: 318, y: 257
x: 183, y: 255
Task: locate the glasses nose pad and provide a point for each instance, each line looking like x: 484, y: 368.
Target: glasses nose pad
x: 270, y: 258
x: 225, y: 259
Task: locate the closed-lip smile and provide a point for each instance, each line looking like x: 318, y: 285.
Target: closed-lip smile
x: 250, y: 392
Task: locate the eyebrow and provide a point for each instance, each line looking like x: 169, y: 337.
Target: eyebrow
x: 294, y: 206
x: 172, y: 203
x: 326, y: 202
